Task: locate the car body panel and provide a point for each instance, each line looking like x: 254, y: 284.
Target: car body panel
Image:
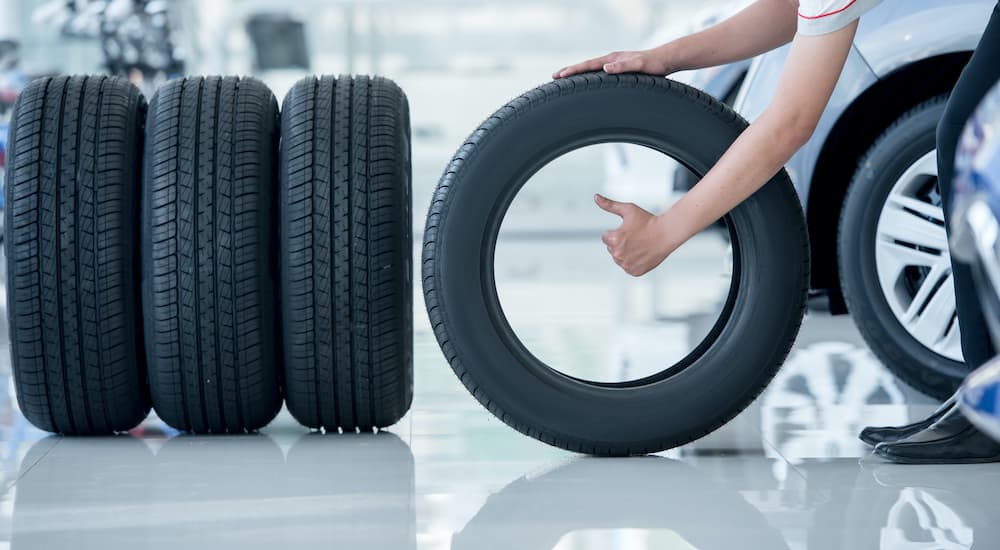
x: 761, y: 83
x: 978, y: 179
x: 898, y: 33
x: 976, y: 223
x: 887, y: 40
x: 719, y: 82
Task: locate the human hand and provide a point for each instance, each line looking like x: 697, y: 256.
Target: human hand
x: 640, y: 244
x: 646, y: 61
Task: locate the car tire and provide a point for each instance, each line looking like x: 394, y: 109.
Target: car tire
x: 346, y: 253
x: 72, y: 255
x: 897, y: 166
x: 718, y: 379
x: 208, y: 274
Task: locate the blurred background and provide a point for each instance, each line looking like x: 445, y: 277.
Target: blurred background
x: 459, y: 61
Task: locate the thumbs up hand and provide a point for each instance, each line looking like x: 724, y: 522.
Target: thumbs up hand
x: 640, y: 244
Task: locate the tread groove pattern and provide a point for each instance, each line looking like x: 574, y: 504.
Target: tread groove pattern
x: 217, y: 345
x: 72, y: 266
x: 208, y: 190
x: 345, y: 248
x: 57, y: 257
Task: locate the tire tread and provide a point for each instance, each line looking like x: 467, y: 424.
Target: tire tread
x: 345, y: 252
x: 76, y: 340
x: 209, y: 183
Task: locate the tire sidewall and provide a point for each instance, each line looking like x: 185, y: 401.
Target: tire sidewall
x: 698, y: 399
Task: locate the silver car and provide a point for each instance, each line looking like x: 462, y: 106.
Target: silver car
x: 868, y: 183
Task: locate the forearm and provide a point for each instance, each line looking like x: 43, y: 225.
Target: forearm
x: 810, y: 76
x: 761, y: 27
x: 756, y: 156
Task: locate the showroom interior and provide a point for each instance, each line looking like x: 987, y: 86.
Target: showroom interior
x: 331, y: 274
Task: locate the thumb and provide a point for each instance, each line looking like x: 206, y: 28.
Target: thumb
x: 608, y: 205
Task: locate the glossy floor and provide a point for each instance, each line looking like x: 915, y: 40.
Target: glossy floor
x: 787, y: 473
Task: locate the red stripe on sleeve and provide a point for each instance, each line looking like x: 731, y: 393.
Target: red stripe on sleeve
x: 849, y: 4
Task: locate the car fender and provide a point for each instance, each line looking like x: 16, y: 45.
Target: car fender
x: 896, y: 34
x: 890, y: 36
x: 762, y: 82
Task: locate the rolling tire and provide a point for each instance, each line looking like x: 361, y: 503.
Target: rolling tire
x: 718, y: 379
x: 72, y: 255
x: 886, y: 166
x: 345, y: 253
x: 208, y: 274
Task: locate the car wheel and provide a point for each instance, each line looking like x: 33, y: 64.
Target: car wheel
x: 208, y: 274
x: 716, y: 380
x: 346, y: 253
x: 895, y: 267
x: 72, y: 255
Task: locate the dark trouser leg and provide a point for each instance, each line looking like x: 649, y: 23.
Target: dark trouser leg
x: 952, y: 438
x: 981, y: 74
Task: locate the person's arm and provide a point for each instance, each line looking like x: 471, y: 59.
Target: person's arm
x: 761, y: 27
x: 814, y: 65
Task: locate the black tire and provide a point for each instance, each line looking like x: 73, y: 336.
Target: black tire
x: 208, y: 281
x: 72, y: 255
x: 684, y: 179
x: 346, y: 253
x: 909, y: 139
x: 696, y: 396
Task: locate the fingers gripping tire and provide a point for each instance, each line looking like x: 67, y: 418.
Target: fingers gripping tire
x: 208, y: 282
x: 72, y: 256
x: 688, y: 400
x: 345, y: 252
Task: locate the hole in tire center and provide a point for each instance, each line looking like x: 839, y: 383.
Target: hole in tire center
x: 570, y: 305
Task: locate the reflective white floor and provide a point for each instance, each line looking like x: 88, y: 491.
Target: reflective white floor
x: 788, y: 473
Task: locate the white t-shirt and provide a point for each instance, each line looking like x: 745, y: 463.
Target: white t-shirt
x: 826, y: 16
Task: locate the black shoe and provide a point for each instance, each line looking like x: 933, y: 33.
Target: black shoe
x: 952, y: 440
x: 890, y: 434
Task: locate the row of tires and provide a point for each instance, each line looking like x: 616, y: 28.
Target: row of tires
x: 209, y: 256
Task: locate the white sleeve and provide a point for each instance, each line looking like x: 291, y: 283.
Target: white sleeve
x: 825, y: 16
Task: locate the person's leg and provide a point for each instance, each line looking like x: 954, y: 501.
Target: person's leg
x: 954, y: 440
x: 981, y: 74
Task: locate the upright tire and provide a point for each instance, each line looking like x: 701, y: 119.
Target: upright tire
x: 345, y: 252
x: 895, y: 267
x: 72, y: 255
x: 208, y: 275
x: 687, y: 400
